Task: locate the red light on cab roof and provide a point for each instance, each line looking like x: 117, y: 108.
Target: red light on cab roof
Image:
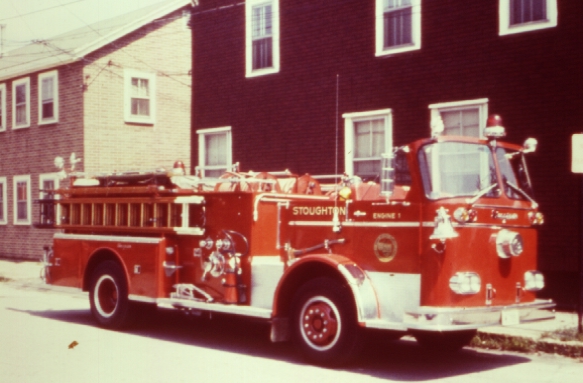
x: 494, y: 128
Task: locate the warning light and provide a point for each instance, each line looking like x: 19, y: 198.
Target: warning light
x: 494, y: 128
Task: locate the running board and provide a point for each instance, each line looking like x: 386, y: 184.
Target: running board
x: 177, y: 303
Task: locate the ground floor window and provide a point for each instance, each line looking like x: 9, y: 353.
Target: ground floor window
x: 462, y: 118
x: 3, y: 202
x: 47, y: 184
x: 367, y: 135
x: 214, y: 151
x: 22, y: 200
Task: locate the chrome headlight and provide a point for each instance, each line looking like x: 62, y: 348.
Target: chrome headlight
x: 509, y: 244
x: 465, y: 283
x: 533, y: 280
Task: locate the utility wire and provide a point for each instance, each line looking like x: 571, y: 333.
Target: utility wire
x: 39, y: 10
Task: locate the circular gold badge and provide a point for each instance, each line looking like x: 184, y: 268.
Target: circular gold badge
x: 385, y: 247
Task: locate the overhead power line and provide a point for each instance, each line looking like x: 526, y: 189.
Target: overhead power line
x: 40, y: 10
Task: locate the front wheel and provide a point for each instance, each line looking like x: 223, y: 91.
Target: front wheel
x: 108, y: 296
x: 324, y: 321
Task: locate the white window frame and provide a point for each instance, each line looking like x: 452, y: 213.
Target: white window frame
x: 202, y: 133
x: 380, y: 49
x: 249, y: 71
x: 3, y: 107
x: 504, y: 15
x: 16, y: 181
x: 55, y: 76
x: 15, y: 84
x: 129, y: 74
x: 481, y: 104
x: 4, y: 202
x: 349, y: 124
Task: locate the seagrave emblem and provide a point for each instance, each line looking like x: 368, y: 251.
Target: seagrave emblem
x: 385, y: 247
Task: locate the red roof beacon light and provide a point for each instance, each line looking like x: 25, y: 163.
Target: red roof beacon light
x: 494, y: 128
x: 178, y: 168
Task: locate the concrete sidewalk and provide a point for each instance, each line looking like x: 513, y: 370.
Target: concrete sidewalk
x: 539, y: 336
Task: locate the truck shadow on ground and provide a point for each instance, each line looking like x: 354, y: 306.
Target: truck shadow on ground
x: 382, y: 357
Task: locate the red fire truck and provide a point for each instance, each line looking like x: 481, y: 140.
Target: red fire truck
x: 443, y: 243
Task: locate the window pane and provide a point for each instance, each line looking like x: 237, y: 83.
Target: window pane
x: 216, y: 149
x: 21, y: 115
x: 378, y: 138
x: 21, y: 198
x: 47, y: 186
x: 398, y: 27
x: 369, y: 138
x: 262, y: 37
x: 462, y: 122
x: 140, y: 107
x: 362, y: 136
x: 47, y: 95
x: 47, y: 89
x: 20, y: 94
x: 1, y: 202
x: 396, y: 3
x: 140, y: 87
x: 367, y: 168
x: 262, y: 53
x: 48, y: 110
x: 524, y: 11
x: 443, y: 177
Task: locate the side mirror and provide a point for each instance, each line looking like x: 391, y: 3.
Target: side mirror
x: 529, y: 145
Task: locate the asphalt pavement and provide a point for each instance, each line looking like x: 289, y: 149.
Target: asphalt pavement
x: 539, y: 336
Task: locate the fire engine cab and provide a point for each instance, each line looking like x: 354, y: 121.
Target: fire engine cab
x: 444, y: 242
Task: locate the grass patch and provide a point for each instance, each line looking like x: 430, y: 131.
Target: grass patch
x: 501, y: 342
x: 556, y: 342
x: 565, y: 335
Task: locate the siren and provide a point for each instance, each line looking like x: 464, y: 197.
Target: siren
x: 494, y: 128
x: 178, y: 168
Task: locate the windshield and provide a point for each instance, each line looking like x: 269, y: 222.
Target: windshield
x: 454, y: 169
x: 514, y: 173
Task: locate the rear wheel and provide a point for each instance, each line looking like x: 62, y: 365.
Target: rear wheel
x: 444, y: 341
x: 108, y: 296
x: 324, y: 321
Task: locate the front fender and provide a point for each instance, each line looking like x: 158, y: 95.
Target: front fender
x: 315, y: 265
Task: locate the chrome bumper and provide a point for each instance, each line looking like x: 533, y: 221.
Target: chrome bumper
x: 468, y: 318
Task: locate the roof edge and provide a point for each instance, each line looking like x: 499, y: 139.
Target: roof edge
x: 132, y: 27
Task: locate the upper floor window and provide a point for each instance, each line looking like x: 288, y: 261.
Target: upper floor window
x: 48, y: 97
x: 398, y: 26
x: 2, y: 107
x: 462, y: 118
x: 367, y: 135
x: 526, y: 15
x: 214, y: 151
x: 140, y: 100
x: 261, y: 37
x: 3, y: 201
x: 21, y: 103
x: 22, y: 200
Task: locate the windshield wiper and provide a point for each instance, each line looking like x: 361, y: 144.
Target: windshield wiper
x: 482, y: 193
x: 521, y: 192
